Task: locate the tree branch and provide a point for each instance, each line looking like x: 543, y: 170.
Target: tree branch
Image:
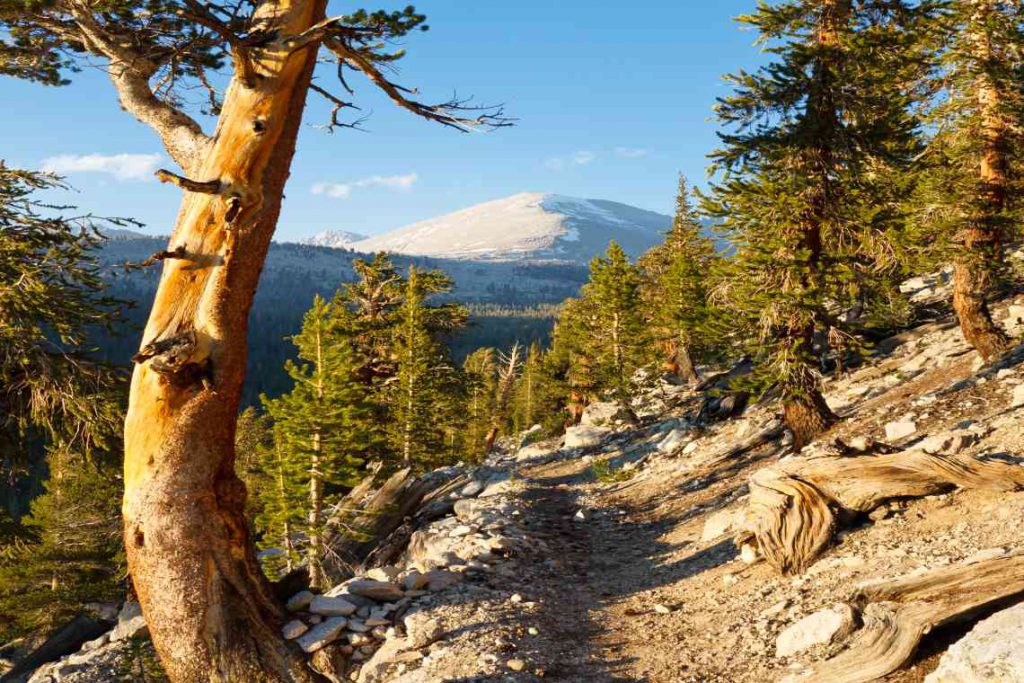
x: 445, y: 113
x: 198, y: 186
x: 130, y: 72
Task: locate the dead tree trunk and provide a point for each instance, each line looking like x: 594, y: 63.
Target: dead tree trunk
x: 211, y: 614
x: 982, y: 238
x: 898, y: 614
x: 793, y: 506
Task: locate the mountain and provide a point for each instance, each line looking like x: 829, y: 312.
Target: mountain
x: 530, y: 226
x: 336, y: 239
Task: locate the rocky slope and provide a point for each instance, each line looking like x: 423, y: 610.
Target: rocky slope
x: 608, y: 554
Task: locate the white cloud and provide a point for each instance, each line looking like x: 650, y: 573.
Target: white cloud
x: 344, y: 190
x: 631, y: 152
x: 121, y: 166
x: 580, y: 158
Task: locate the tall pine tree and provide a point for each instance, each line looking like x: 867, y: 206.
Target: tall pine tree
x: 975, y: 157
x: 675, y: 289
x: 807, y: 185
x: 320, y: 428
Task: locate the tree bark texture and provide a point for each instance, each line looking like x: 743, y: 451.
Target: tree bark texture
x: 211, y: 614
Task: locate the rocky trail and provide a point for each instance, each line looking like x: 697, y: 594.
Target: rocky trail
x: 624, y: 552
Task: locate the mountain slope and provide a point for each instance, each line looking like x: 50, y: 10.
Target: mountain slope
x: 336, y: 239
x: 527, y: 226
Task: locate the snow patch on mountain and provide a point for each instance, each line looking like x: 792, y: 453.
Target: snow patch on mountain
x: 337, y: 239
x: 527, y: 226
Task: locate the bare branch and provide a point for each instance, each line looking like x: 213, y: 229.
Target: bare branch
x: 445, y: 113
x: 198, y: 186
x: 339, y: 104
x: 177, y: 253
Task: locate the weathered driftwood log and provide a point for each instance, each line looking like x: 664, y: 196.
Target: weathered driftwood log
x: 766, y: 434
x: 897, y: 614
x: 794, y: 505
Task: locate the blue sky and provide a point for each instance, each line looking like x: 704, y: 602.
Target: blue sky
x: 612, y: 100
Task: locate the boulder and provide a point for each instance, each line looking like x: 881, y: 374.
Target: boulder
x: 605, y: 414
x: 299, y: 601
x: 896, y: 431
x: 990, y: 653
x: 130, y: 622
x: 673, y: 441
x: 383, y: 591
x: 821, y: 628
x: 331, y: 606
x: 584, y: 437
x: 324, y: 633
x: 293, y: 629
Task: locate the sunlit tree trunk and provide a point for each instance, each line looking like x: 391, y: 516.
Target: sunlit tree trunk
x: 210, y: 611
x: 982, y: 238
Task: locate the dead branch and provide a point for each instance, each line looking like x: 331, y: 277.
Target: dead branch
x: 339, y: 104
x: 176, y: 253
x: 198, y: 186
x: 792, y: 505
x: 897, y: 614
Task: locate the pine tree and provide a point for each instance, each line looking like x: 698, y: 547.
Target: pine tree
x: 808, y: 187
x: 423, y: 372
x: 320, y: 430
x: 614, y: 332
x: 529, y: 391
x: 675, y: 289
x: 481, y: 371
x: 67, y: 551
x: 974, y: 159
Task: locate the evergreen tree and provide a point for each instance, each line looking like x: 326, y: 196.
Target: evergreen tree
x: 809, y: 182
x: 481, y: 369
x: 527, y: 401
x: 675, y: 289
x: 320, y: 431
x: 974, y: 160
x: 53, y: 394
x: 67, y: 551
x: 423, y: 372
x: 613, y: 329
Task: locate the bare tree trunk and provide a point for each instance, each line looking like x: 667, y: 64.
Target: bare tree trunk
x: 685, y: 368
x: 315, y: 553
x: 211, y: 613
x: 982, y: 238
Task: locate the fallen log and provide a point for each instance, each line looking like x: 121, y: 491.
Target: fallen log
x: 67, y: 639
x: 794, y: 505
x: 898, y: 614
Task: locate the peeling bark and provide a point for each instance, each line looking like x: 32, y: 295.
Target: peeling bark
x: 211, y: 614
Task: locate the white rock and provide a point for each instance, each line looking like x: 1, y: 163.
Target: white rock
x: 603, y: 414
x: 130, y: 622
x: 584, y: 437
x: 673, y: 440
x: 990, y: 653
x: 324, y: 633
x: 949, y: 443
x: 331, y: 607
x: 822, y: 627
x: 749, y: 554
x: 299, y: 601
x: 293, y: 629
x: 895, y: 431
x: 1018, y: 396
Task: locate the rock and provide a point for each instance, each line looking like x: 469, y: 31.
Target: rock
x: 895, y: 431
x: 722, y: 523
x: 293, y: 629
x: 421, y: 630
x: 749, y: 554
x: 461, y: 530
x: 472, y: 489
x: 662, y: 609
x: 673, y: 441
x: 130, y: 622
x: 331, y: 607
x: 1018, y: 396
x: 386, y: 573
x: 580, y: 516
x: 1015, y: 314
x: 605, y: 414
x: 414, y: 581
x: 439, y: 579
x: 990, y: 653
x: 497, y: 485
x: 584, y: 437
x: 823, y: 627
x: 534, y: 450
x: 324, y: 633
x: 383, y: 591
x: 516, y: 664
x: 985, y: 555
x: 299, y: 601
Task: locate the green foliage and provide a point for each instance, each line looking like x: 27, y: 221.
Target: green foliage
x: 67, y: 552
x: 676, y: 280
x: 811, y: 177
x: 604, y: 472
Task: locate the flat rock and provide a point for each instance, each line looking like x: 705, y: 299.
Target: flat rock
x: 384, y: 591
x: 949, y: 443
x: 1018, y: 396
x: 130, y: 622
x: 722, y: 523
x: 822, y: 627
x: 299, y: 601
x: 293, y: 629
x: 584, y: 437
x: 604, y: 414
x: 331, y: 607
x: 324, y: 633
x: 990, y: 653
x: 895, y: 431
